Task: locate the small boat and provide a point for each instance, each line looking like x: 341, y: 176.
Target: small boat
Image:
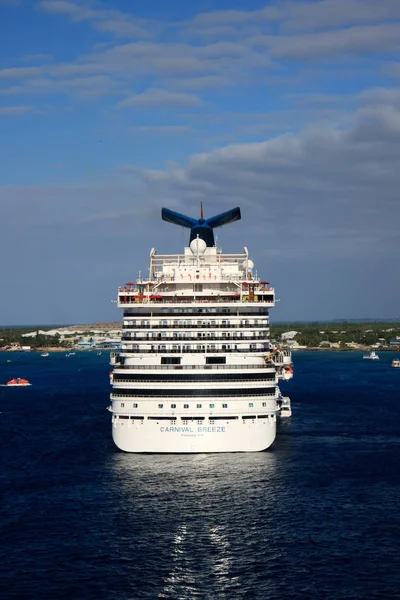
x: 45, y: 354
x: 98, y: 354
x: 18, y: 382
x: 285, y: 407
x: 371, y: 356
x: 396, y: 363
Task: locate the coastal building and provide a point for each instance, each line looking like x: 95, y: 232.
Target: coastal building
x: 288, y: 335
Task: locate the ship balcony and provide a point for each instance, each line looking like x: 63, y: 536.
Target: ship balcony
x: 173, y: 384
x: 162, y: 349
x: 184, y: 339
x: 205, y: 395
x: 203, y: 326
x: 129, y: 300
x: 228, y: 282
x: 123, y: 368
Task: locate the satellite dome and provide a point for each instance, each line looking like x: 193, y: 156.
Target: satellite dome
x: 250, y: 265
x: 198, y: 246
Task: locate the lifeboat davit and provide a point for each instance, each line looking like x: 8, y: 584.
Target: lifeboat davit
x: 18, y: 382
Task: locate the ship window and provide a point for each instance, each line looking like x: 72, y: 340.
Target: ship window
x: 224, y: 406
x: 199, y: 405
x: 173, y: 405
x: 186, y: 406
x: 264, y: 404
x: 161, y: 406
x: 135, y: 406
x: 251, y: 404
x: 213, y: 360
x: 212, y: 405
x: 122, y: 405
x: 170, y: 360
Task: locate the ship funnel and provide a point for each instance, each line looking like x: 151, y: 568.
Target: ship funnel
x: 204, y: 228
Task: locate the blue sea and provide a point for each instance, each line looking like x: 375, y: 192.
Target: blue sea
x: 315, y: 517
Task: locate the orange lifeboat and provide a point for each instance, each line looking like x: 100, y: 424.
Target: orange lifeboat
x: 18, y: 382
x: 287, y: 373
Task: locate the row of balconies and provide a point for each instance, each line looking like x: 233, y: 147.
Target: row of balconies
x: 120, y: 397
x: 184, y: 338
x: 199, y: 312
x: 123, y: 300
x: 199, y: 325
x: 138, y: 385
x: 183, y: 350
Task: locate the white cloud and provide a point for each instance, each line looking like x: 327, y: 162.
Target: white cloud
x: 206, y: 82
x: 303, y: 16
x: 20, y: 72
x: 163, y: 129
x: 238, y: 17
x: 15, y: 110
x: 333, y: 44
x: 113, y: 21
x: 160, y: 98
x: 340, y: 186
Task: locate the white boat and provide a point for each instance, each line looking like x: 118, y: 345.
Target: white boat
x: 371, y: 356
x: 285, y: 408
x: 45, y: 354
x: 396, y: 363
x: 194, y: 371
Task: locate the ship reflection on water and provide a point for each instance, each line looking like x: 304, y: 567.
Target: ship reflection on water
x: 193, y: 525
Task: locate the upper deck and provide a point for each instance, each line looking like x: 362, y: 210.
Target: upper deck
x: 199, y: 275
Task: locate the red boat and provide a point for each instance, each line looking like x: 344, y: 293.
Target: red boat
x: 18, y: 382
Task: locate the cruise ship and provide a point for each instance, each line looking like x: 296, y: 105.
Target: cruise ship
x: 196, y: 371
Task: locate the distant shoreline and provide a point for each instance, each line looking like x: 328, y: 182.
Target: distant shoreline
x: 311, y: 349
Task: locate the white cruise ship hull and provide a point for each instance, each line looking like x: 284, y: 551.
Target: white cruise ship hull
x: 162, y: 437
x: 196, y: 371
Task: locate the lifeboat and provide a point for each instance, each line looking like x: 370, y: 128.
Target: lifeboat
x: 287, y: 373
x: 18, y: 382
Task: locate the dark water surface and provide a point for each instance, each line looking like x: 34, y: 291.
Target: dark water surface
x: 317, y: 516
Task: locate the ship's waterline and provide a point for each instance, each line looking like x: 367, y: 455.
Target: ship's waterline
x: 196, y: 371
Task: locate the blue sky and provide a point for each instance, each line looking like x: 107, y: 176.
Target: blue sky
x: 111, y: 110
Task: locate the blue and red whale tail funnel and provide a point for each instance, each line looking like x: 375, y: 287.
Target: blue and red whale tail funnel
x: 204, y: 228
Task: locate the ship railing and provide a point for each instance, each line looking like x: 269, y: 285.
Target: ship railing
x: 217, y: 300
x: 232, y: 398
x: 174, y: 381
x: 266, y: 365
x: 191, y: 351
x: 198, y: 340
x: 226, y: 290
x: 207, y: 325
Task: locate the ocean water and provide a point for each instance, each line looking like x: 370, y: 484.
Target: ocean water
x: 315, y: 517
